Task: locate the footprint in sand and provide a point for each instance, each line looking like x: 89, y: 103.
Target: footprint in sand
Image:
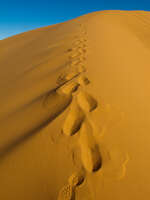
x: 90, y: 153
x: 61, y: 78
x: 81, y: 68
x: 67, y: 76
x: 72, y: 74
x: 77, y: 58
x: 77, y: 61
x: 83, y: 39
x: 80, y: 46
x: 75, y: 55
x: 82, y: 58
x: 67, y: 193
x: 83, y: 45
x: 82, y: 33
x: 86, y: 101
x: 76, y: 179
x: 80, y: 41
x: 82, y: 51
x: 74, y: 120
x: 68, y: 88
x: 69, y: 50
x: 77, y: 52
x: 83, y: 80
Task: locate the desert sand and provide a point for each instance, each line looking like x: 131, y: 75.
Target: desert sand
x: 75, y: 110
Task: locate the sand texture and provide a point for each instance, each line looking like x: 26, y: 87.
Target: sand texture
x: 75, y: 110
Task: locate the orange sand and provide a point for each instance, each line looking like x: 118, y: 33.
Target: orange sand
x: 75, y: 110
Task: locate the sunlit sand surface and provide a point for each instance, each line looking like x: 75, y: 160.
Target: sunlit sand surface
x: 75, y: 110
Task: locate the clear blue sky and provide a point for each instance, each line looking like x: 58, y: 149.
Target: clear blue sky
x: 22, y: 15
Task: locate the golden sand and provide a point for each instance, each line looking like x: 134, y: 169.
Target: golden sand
x: 75, y: 110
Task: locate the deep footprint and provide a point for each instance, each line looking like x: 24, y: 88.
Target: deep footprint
x: 75, y: 55
x: 76, y: 62
x: 86, y: 101
x: 68, y: 88
x: 74, y: 120
x: 76, y: 179
x: 82, y: 51
x: 61, y: 79
x: 83, y: 80
x: 90, y: 154
x: 71, y: 75
x: 67, y: 193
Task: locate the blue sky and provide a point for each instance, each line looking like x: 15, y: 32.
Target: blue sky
x: 22, y: 15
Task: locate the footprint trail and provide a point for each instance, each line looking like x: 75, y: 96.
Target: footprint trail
x: 86, y: 101
x: 77, y: 118
x: 90, y: 153
x: 74, y: 120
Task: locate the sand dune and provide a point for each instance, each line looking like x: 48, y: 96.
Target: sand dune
x: 74, y: 116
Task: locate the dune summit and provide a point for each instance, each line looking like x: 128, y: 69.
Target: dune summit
x: 75, y: 111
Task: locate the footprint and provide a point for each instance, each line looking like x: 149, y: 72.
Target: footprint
x: 86, y: 101
x: 80, y: 41
x: 69, y: 50
x: 80, y: 46
x: 74, y: 55
x: 82, y: 51
x: 76, y: 62
x: 61, y: 79
x: 90, y: 154
x: 74, y: 120
x: 77, y: 42
x: 67, y: 193
x: 78, y: 51
x: 81, y: 68
x: 67, y: 75
x: 72, y: 74
x: 68, y: 88
x: 82, y: 58
x: 76, y: 179
x: 83, y: 45
x: 83, y: 40
x: 83, y: 80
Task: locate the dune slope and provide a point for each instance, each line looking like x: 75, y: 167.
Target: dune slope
x: 74, y: 117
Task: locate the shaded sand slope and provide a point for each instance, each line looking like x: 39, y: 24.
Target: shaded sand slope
x: 74, y: 117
